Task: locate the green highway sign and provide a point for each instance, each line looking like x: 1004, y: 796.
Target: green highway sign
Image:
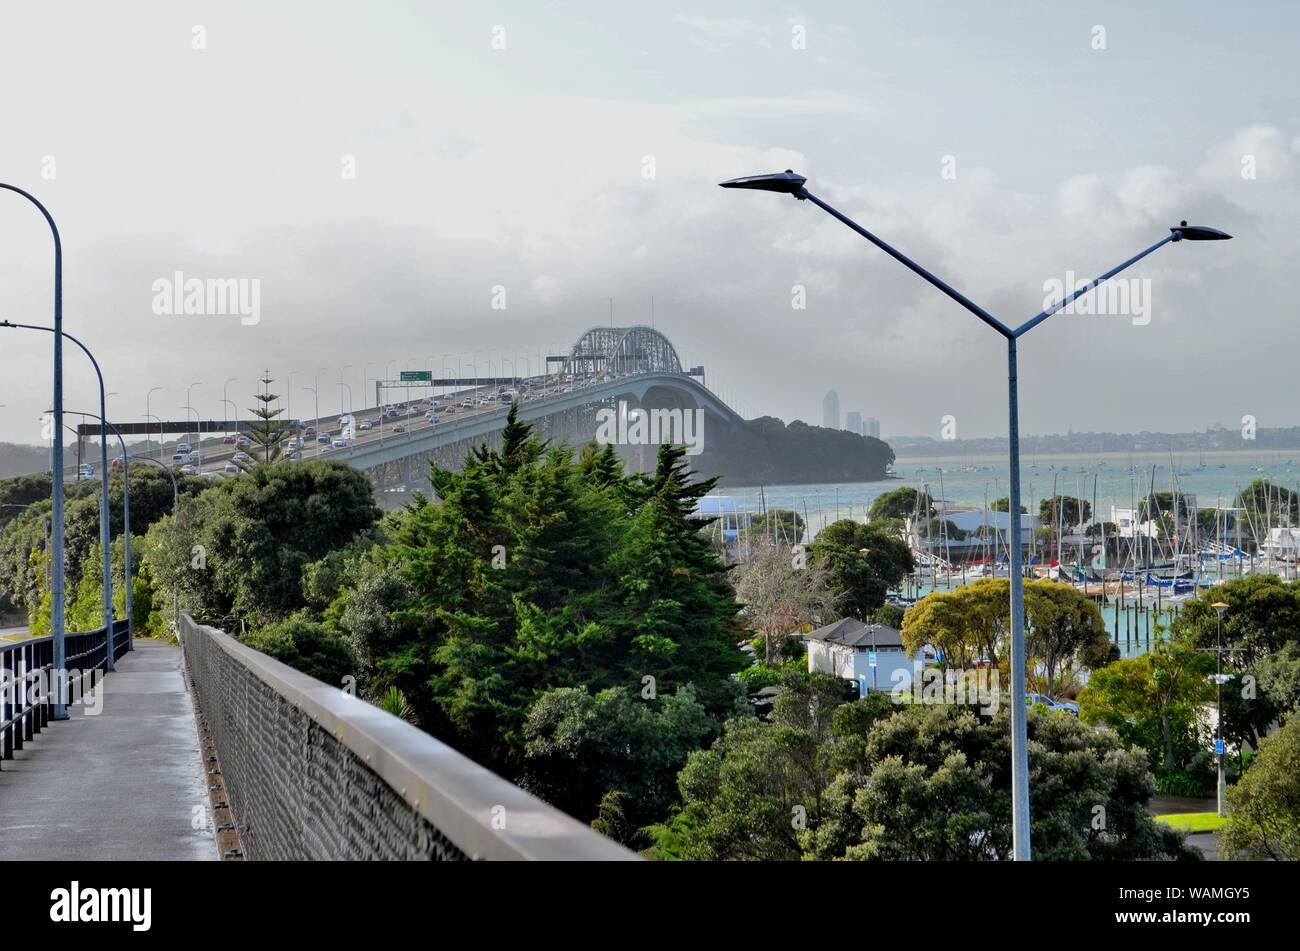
x: 417, y: 376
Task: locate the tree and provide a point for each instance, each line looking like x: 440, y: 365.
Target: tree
x: 864, y: 562
x: 910, y: 782
x: 1064, y: 631
x: 781, y: 526
x: 902, y: 503
x: 243, y: 546
x: 268, y: 432
x: 580, y: 747
x: 1264, y: 805
x: 532, y: 572
x: 1064, y: 509
x: 1004, y: 505
x: 1151, y: 701
x: 781, y: 592
x: 305, y: 645
x: 1263, y: 620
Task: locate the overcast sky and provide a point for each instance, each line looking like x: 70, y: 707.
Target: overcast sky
x: 578, y: 164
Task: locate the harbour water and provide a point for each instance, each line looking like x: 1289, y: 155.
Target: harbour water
x: 1120, y: 479
x: 1215, y: 478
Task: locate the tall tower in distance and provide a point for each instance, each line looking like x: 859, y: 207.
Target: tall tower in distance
x: 831, y: 410
x: 853, y: 422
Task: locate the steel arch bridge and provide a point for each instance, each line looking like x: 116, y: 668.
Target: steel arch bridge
x: 619, y: 351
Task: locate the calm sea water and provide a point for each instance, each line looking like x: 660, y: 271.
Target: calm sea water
x: 1215, y: 478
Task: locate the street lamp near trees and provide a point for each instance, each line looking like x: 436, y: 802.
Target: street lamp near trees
x: 107, y: 580
x: 57, y: 596
x: 791, y: 183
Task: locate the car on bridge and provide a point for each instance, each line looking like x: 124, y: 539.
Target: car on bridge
x: 242, y: 456
x: 232, y: 468
x: 399, y: 428
x: 228, y: 441
x: 368, y: 424
x: 323, y: 438
x: 85, y: 471
x: 339, y: 443
x: 189, y: 469
x: 244, y: 442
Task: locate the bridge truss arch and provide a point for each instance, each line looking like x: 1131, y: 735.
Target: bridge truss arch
x: 622, y: 351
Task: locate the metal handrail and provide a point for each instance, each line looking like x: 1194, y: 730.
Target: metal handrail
x: 29, y: 680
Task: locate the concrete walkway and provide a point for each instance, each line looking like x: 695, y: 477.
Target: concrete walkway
x: 125, y: 784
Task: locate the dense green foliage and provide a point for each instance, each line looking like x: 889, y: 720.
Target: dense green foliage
x: 1264, y: 806
x: 901, y: 503
x: 869, y: 779
x: 241, y: 548
x: 533, y: 572
x: 863, y: 562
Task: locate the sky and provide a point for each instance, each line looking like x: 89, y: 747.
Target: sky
x: 421, y: 185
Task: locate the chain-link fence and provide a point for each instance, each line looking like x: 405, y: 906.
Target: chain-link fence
x: 315, y: 773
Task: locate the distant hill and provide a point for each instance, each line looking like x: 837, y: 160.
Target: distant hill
x: 16, y: 460
x: 770, y: 452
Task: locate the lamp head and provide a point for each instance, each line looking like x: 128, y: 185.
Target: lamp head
x: 787, y: 183
x: 1219, y: 607
x: 1198, y: 233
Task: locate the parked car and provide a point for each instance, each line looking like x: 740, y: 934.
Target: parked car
x: 1067, y: 706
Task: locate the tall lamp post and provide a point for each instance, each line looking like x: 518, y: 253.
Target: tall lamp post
x: 57, y: 596
x: 789, y: 183
x: 225, y: 402
x: 105, y: 427
x: 147, y: 417
x: 107, y: 593
x: 1220, y: 678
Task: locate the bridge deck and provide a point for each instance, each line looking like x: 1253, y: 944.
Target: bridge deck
x: 121, y: 785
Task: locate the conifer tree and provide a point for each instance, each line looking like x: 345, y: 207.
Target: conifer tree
x: 267, y: 433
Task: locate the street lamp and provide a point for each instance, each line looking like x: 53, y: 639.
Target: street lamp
x: 105, y: 426
x: 1220, y: 678
x: 316, y: 425
x: 57, y: 596
x: 147, y: 415
x: 103, y: 502
x: 225, y: 402
x: 288, y: 397
x: 346, y: 366
x: 790, y: 183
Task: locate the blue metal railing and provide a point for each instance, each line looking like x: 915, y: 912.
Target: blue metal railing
x: 28, y: 679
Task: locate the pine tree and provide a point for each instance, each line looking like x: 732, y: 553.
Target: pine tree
x: 268, y: 432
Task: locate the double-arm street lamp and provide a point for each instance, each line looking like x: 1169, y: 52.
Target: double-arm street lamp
x: 790, y: 183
